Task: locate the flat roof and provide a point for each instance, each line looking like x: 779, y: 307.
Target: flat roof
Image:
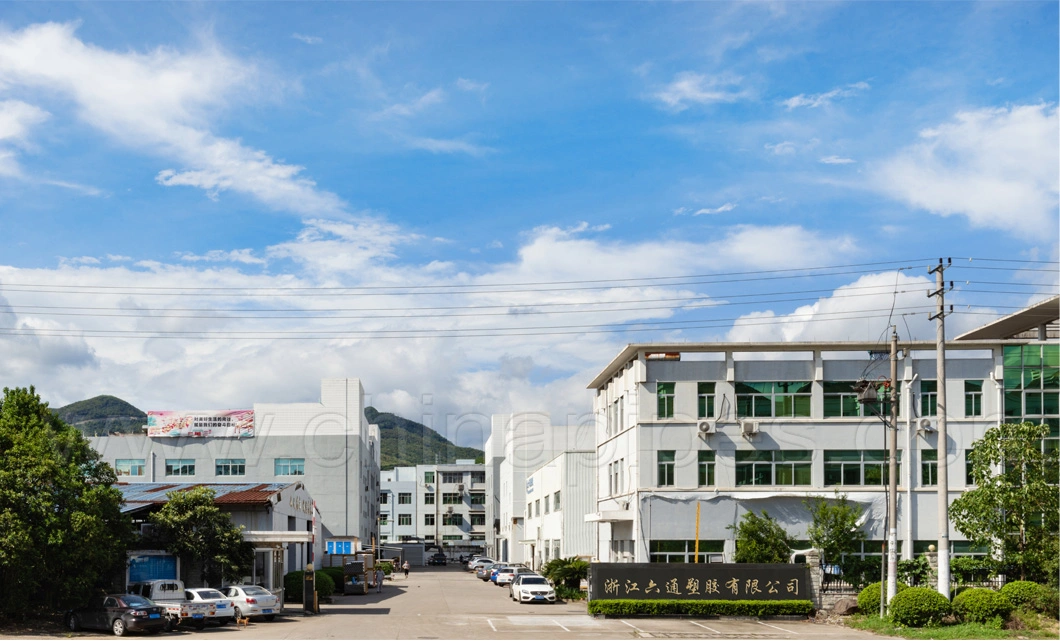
x: 1030, y: 318
x: 137, y: 495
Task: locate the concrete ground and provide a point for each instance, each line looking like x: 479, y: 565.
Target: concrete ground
x: 448, y: 603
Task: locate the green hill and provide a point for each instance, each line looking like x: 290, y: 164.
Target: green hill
x: 407, y: 443
x: 103, y: 415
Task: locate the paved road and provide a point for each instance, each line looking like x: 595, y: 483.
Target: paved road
x: 446, y: 603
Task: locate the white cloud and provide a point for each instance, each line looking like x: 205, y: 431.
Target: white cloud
x: 784, y: 148
x: 415, y: 106
x: 999, y: 167
x: 16, y: 120
x: 836, y: 160
x: 244, y: 256
x: 471, y: 85
x: 118, y: 258
x: 727, y: 207
x: 689, y: 88
x: 447, y: 146
x: 309, y: 40
x: 161, y: 102
x: 820, y: 100
x: 78, y: 261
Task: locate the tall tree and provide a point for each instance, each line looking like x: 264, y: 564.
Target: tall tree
x: 192, y: 527
x: 760, y: 539
x: 62, y: 533
x: 834, y: 528
x: 1015, y: 501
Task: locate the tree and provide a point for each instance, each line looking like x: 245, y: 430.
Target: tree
x: 834, y: 528
x: 192, y: 527
x: 1015, y: 501
x: 759, y: 539
x: 62, y: 532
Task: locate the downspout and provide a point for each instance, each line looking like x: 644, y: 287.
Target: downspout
x: 910, y: 427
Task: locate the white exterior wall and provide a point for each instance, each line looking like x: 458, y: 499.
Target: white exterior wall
x: 394, y: 483
x: 561, y: 532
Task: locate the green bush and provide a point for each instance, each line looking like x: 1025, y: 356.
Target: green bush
x: 919, y: 606
x: 869, y: 598
x: 292, y: 586
x: 1024, y: 594
x: 336, y: 575
x: 981, y: 605
x: 972, y: 569
x: 388, y: 567
x: 569, y: 593
x: 914, y: 571
x: 626, y: 607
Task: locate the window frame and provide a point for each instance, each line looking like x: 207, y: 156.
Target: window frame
x: 752, y: 396
x: 665, y: 394
x: 180, y: 467
x: 705, y: 395
x: 665, y: 464
x: 705, y: 461
x: 235, y: 466
x: 132, y: 464
x: 752, y: 465
x: 288, y: 466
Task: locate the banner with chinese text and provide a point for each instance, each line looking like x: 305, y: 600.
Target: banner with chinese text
x: 689, y: 581
x: 200, y: 424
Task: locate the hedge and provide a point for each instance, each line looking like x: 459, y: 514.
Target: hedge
x: 627, y: 607
x: 981, y: 605
x: 919, y: 606
x: 336, y: 575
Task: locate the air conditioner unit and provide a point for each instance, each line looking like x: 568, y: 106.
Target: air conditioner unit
x: 625, y: 506
x: 748, y: 427
x: 449, y: 510
x: 925, y: 425
x: 704, y: 428
x: 460, y: 487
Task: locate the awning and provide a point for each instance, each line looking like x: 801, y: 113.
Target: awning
x: 282, y: 537
x: 610, y: 516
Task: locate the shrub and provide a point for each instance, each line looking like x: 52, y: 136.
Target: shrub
x: 1024, y: 594
x: 325, y: 586
x: 337, y: 576
x: 388, y: 567
x: 569, y: 593
x: 981, y: 605
x: 914, y: 571
x: 292, y: 586
x: 626, y: 607
x: 919, y: 606
x: 869, y: 598
x: 972, y: 569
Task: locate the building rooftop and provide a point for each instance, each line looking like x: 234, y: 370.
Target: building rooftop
x: 1023, y: 324
x: 137, y: 495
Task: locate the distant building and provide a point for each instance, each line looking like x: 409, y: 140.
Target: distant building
x: 558, y: 497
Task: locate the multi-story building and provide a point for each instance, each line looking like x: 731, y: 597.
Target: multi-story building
x: 738, y: 427
x: 328, y: 446
x: 441, y: 505
x: 398, y: 502
x: 558, y: 497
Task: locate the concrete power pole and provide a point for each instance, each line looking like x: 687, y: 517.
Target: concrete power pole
x: 892, y: 475
x: 943, y: 445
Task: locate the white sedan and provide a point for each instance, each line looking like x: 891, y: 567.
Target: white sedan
x: 224, y: 607
x: 506, y: 574
x: 531, y: 588
x: 253, y: 600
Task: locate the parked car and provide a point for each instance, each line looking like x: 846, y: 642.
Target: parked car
x: 476, y: 562
x: 169, y: 594
x: 485, y: 572
x: 224, y: 607
x: 531, y: 588
x: 504, y: 575
x: 119, y: 613
x: 253, y: 600
x: 437, y: 559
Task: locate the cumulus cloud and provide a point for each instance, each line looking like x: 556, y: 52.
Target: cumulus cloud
x: 821, y: 100
x: 689, y: 88
x: 16, y: 120
x: 998, y: 167
x: 783, y: 148
x: 160, y: 102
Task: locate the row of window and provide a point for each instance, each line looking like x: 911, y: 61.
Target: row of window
x: 793, y: 399
x: 533, y: 509
x: 455, y: 477
x: 222, y: 467
x: 794, y: 468
x: 710, y: 551
x: 454, y: 519
x: 455, y: 498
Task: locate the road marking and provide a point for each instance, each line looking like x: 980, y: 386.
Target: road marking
x: 560, y: 624
x: 490, y: 621
x: 631, y: 625
x: 705, y: 627
x: 776, y: 628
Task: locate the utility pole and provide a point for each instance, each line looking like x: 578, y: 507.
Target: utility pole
x: 892, y: 475
x: 943, y: 445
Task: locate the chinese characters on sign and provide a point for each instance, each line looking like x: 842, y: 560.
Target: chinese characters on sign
x: 698, y: 582
x: 200, y: 424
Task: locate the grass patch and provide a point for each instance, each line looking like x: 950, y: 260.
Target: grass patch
x: 877, y: 625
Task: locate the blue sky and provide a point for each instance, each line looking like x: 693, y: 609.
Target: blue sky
x: 244, y: 145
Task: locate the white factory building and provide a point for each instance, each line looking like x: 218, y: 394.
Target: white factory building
x: 558, y: 497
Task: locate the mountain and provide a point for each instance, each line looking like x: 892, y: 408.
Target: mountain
x: 103, y: 415
x: 407, y: 443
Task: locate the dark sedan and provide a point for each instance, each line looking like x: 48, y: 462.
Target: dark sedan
x: 437, y: 559
x: 119, y: 613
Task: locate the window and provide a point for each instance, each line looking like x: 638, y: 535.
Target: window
x: 230, y: 467
x: 773, y: 399
x: 289, y: 466
x: 664, y: 391
x: 384, y: 497
x: 929, y: 467
x: 781, y: 468
x: 684, y: 551
x: 180, y: 467
x: 529, y: 510
x: 428, y: 498
x: 452, y: 537
x: 555, y: 501
x: 973, y: 398
x: 405, y: 498
x: 428, y: 520
x: 537, y: 508
x: 478, y: 477
x: 478, y: 520
x: 428, y: 477
x: 452, y: 477
x: 706, y: 399
x: 706, y: 468
x: 858, y: 468
x: 547, y: 498
x: 384, y: 519
x: 452, y: 498
x: 453, y: 520
x: 665, y: 461
x: 929, y: 398
x: 129, y: 467
x: 404, y: 519
x: 969, y: 479
x: 477, y: 498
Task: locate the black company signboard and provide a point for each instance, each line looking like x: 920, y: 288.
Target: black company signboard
x: 689, y: 581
